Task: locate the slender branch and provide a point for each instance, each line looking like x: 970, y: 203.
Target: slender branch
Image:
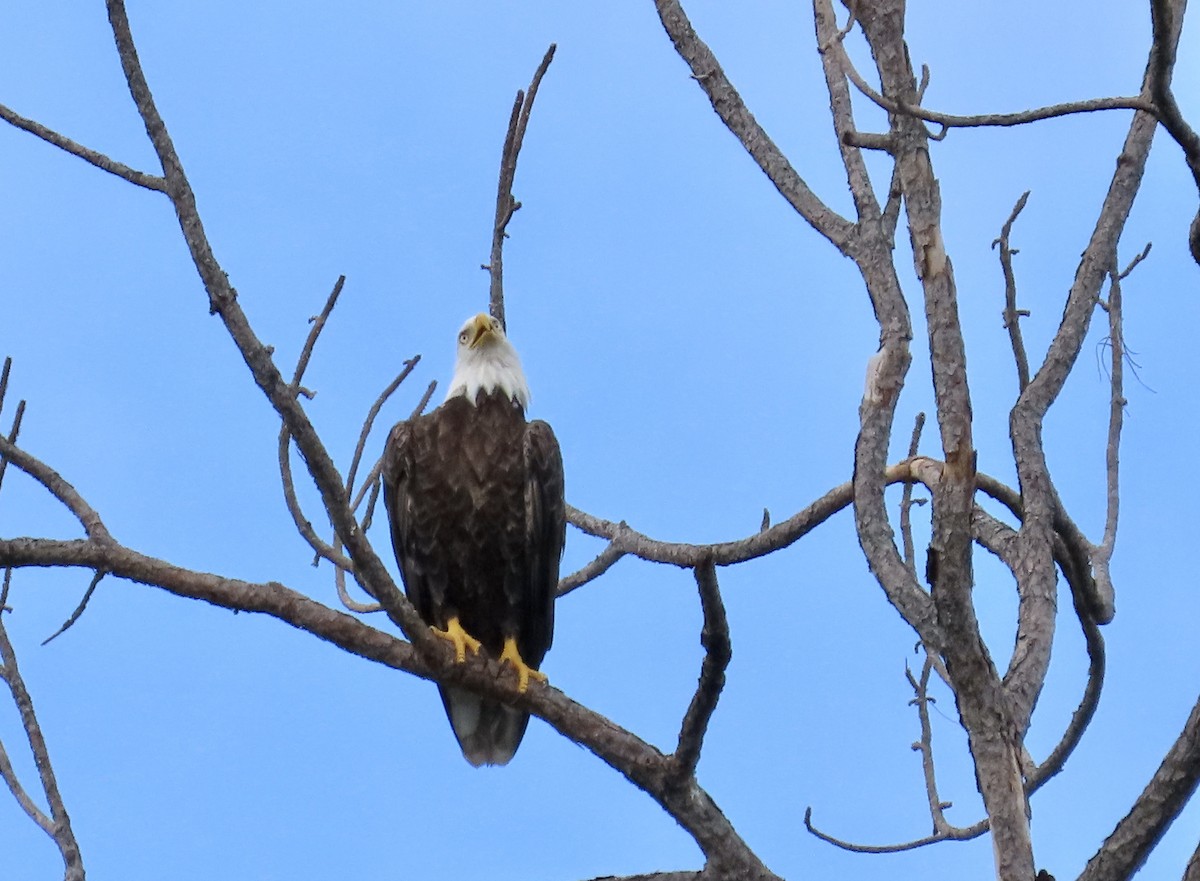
x: 593, y: 570
x: 506, y: 205
x: 12, y: 438
x: 924, y: 746
x: 57, y: 487
x: 741, y: 123
x: 4, y: 373
x: 369, y: 422
x: 906, y: 500
x: 58, y: 824
x: 141, y: 179
x: 849, y: 140
x: 714, y: 637
x: 323, y: 550
x: 79, y: 610
x: 950, y: 835
x: 318, y: 325
x: 1021, y: 117
x: 1012, y: 315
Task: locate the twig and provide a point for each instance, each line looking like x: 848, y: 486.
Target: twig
x: 593, y: 570
x: 924, y: 746
x: 1012, y: 315
x: 339, y: 574
x: 87, y: 595
x: 717, y: 652
x: 369, y: 422
x: 424, y: 402
x: 141, y: 179
x: 4, y: 372
x: 957, y: 835
x: 506, y: 205
x: 318, y: 324
x: 58, y: 824
x: 906, y: 501
x: 1021, y: 117
x: 304, y: 526
x: 12, y: 437
x: 1101, y: 555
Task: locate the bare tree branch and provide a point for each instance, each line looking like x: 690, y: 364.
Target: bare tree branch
x: 318, y: 325
x: 1126, y: 849
x: 906, y: 500
x: 506, y: 205
x: 740, y: 121
x: 79, y: 610
x: 149, y: 181
x: 1167, y: 20
x: 1013, y: 315
x: 57, y: 487
x: 717, y: 651
x: 593, y: 570
x: 950, y: 120
x: 58, y: 824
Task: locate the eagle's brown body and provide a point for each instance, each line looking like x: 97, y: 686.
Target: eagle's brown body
x: 475, y: 497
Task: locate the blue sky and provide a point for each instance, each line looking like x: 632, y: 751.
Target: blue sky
x: 699, y: 351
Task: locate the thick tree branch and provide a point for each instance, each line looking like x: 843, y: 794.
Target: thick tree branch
x: 1126, y: 849
x: 717, y: 651
x: 638, y: 761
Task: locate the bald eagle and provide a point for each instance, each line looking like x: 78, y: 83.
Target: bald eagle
x: 474, y: 494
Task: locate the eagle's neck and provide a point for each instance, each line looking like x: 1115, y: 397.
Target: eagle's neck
x: 490, y: 370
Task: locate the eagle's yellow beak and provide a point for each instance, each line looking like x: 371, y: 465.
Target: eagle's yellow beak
x: 479, y: 329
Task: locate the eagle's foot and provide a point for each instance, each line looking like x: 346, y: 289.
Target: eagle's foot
x: 459, y: 638
x: 524, y: 672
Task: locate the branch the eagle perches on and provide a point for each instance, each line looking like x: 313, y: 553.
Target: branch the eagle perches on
x: 1040, y: 540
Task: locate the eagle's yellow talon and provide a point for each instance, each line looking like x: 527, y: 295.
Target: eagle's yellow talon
x: 524, y: 672
x: 460, y: 639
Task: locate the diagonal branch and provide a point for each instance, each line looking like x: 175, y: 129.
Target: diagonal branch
x: 740, y: 121
x: 258, y: 357
x: 141, y: 179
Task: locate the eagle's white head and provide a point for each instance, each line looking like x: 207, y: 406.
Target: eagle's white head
x: 487, y: 361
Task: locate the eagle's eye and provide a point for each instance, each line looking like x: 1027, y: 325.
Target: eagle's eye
x: 463, y: 337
